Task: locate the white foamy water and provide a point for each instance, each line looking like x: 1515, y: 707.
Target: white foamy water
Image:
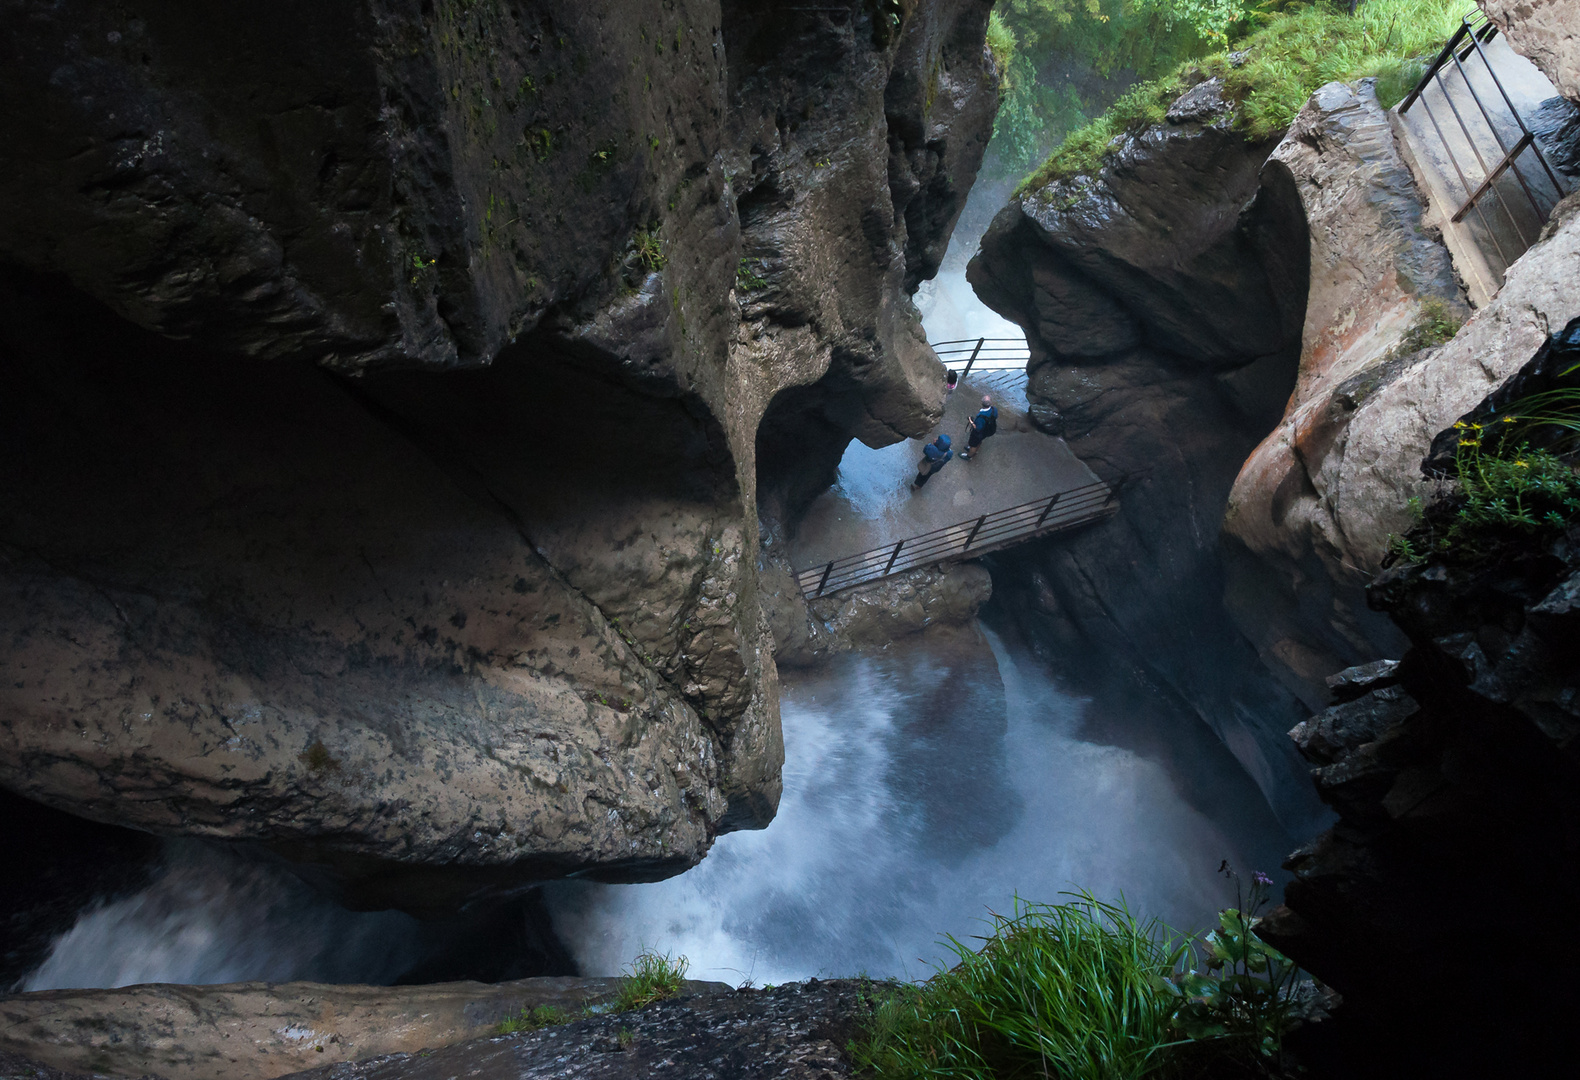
x: 924, y: 786
x: 210, y: 917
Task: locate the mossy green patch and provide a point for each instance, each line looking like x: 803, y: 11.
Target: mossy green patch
x: 1274, y: 71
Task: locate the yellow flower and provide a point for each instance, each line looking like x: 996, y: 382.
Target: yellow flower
x: 1522, y: 464
x: 1508, y: 419
x: 1468, y: 442
x: 1459, y: 424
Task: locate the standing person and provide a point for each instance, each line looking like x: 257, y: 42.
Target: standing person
x: 983, y: 425
x: 935, y: 455
x: 951, y: 380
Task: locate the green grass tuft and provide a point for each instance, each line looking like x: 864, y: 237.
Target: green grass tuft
x: 534, y: 1019
x: 1057, y: 990
x: 1297, y: 51
x: 653, y: 977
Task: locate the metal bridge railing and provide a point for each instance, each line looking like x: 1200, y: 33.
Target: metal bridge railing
x: 1063, y: 510
x: 998, y: 362
x: 1480, y: 177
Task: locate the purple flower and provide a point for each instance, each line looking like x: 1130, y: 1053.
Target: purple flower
x: 1262, y: 879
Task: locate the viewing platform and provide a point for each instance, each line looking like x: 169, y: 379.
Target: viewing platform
x: 856, y: 524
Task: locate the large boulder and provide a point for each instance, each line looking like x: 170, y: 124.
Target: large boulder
x: 427, y: 559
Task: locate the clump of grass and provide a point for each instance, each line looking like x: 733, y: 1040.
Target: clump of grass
x: 648, y: 249
x: 652, y: 977
x: 1297, y: 51
x: 1435, y: 324
x: 534, y: 1019
x: 1085, y: 989
x: 1057, y: 990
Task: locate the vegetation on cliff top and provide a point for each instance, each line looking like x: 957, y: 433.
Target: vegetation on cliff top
x: 1084, y: 989
x: 1270, y: 73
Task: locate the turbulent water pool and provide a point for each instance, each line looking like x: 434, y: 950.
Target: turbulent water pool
x: 925, y: 785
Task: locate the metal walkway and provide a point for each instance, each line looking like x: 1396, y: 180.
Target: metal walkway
x: 1466, y: 121
x: 963, y: 540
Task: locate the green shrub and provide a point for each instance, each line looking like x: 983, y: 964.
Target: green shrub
x: 1298, y: 50
x: 534, y: 1019
x: 652, y: 977
x: 1436, y: 323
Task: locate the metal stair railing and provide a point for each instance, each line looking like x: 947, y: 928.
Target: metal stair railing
x: 965, y: 539
x: 1474, y: 30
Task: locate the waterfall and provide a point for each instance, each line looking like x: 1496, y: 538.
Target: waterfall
x: 926, y: 785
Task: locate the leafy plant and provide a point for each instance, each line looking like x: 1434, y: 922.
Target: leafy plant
x: 1001, y: 43
x: 746, y: 276
x: 534, y: 1019
x: 1242, y: 996
x: 653, y: 977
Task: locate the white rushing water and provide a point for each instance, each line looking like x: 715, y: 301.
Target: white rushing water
x: 924, y: 787
x: 210, y: 917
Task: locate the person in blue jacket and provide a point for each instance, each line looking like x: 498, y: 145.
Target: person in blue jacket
x: 983, y: 425
x: 935, y: 455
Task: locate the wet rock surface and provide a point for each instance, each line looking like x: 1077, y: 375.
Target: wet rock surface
x: 433, y: 633
x: 257, y: 1031
x: 808, y: 633
x: 796, y: 1031
x: 1296, y: 568
x: 1455, y: 777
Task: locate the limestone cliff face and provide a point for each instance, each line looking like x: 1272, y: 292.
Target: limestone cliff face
x: 384, y: 387
x: 1306, y: 523
x: 1162, y: 299
x: 1311, y: 513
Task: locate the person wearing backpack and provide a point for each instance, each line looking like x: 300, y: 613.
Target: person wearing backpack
x: 935, y: 455
x: 983, y: 425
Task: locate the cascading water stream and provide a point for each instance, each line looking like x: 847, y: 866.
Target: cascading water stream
x: 925, y: 786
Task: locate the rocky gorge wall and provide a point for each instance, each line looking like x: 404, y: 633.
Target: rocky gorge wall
x: 386, y: 391
x: 1162, y: 299
x: 1450, y: 770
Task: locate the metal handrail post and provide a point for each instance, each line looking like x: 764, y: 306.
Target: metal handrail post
x: 973, y: 359
x: 827, y: 570
x: 1046, y: 510
x: 890, y: 565
x: 1404, y: 106
x: 974, y: 530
